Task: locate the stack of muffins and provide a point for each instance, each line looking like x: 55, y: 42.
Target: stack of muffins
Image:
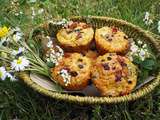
x: 97, y: 57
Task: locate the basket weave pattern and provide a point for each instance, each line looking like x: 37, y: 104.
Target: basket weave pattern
x: 97, y: 22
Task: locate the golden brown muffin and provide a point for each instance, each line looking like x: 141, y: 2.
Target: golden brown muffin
x: 110, y: 39
x: 73, y: 71
x: 76, y: 36
x: 114, y: 75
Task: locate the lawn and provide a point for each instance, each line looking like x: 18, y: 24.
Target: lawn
x: 19, y: 102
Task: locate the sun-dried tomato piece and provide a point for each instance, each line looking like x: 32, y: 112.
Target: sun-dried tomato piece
x: 114, y: 30
x: 73, y: 25
x: 121, y: 61
x: 118, y: 76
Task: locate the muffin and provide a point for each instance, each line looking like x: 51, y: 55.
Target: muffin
x: 111, y: 39
x: 76, y: 36
x: 73, y: 71
x: 114, y: 75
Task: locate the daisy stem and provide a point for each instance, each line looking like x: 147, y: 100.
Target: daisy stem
x: 43, y: 68
x: 5, y: 59
x: 35, y: 64
x: 40, y: 68
x: 37, y: 57
x: 4, y: 51
x: 34, y: 61
x: 38, y: 71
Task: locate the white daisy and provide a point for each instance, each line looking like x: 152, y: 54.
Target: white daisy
x: 17, y: 36
x: 17, y: 33
x: 33, y: 12
x: 3, y: 40
x: 16, y: 29
x: 12, y: 78
x: 16, y: 52
x: 3, y: 73
x: 19, y: 64
x: 147, y: 19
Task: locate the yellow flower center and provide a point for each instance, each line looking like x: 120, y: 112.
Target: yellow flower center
x: 19, y: 61
x: 4, y: 31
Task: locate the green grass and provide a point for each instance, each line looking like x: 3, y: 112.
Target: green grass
x: 21, y: 102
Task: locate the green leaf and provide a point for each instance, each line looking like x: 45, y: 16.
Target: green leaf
x: 144, y: 73
x: 148, y: 64
x: 136, y: 60
x: 50, y: 64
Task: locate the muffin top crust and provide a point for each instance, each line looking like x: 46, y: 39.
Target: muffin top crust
x: 73, y: 71
x: 114, y: 75
x: 75, y: 34
x: 111, y: 39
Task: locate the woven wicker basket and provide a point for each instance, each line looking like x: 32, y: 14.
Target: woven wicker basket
x: 132, y: 31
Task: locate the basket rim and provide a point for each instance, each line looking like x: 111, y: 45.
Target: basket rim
x: 100, y: 100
